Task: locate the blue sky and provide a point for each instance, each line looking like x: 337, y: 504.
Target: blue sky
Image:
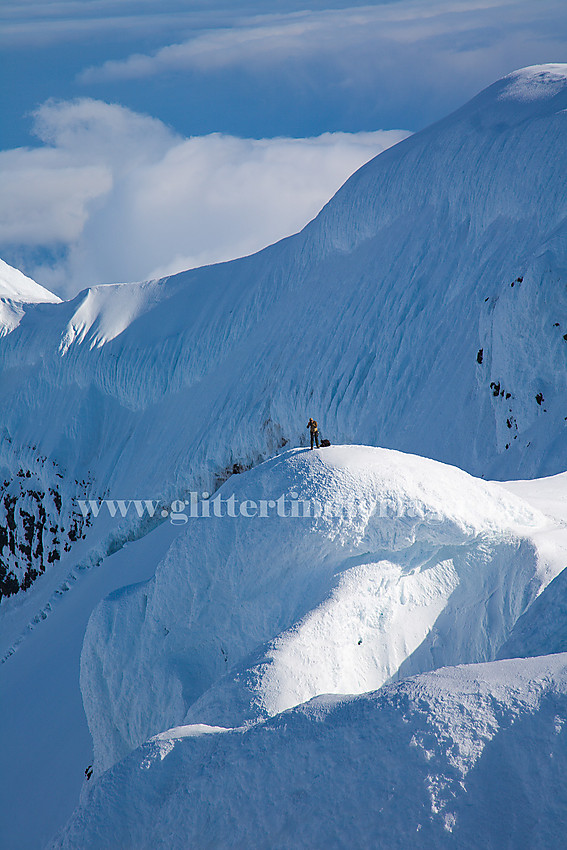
x: 93, y: 89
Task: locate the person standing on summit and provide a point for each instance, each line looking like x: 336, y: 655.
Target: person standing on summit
x: 312, y: 425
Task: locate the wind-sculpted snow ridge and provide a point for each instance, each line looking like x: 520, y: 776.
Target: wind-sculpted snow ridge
x: 411, y: 565
x: 467, y: 757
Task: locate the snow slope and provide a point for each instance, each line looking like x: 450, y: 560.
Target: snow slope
x: 542, y: 629
x: 44, y: 737
x: 372, y: 319
x: 411, y: 566
x: 422, y: 310
x: 17, y: 287
x: 16, y: 292
x: 463, y: 757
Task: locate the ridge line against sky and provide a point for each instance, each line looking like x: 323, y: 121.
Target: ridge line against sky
x: 149, y: 79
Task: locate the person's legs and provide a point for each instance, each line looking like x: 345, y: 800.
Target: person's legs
x: 317, y: 439
x: 312, y: 435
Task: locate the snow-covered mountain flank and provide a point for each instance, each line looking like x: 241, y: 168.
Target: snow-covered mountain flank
x: 247, y: 675
x: 464, y: 757
x: 17, y: 292
x: 424, y: 309
x: 400, y: 582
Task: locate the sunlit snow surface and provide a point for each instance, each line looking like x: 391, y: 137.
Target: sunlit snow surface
x: 249, y: 617
x: 249, y: 621
x: 465, y: 756
x: 17, y: 292
x: 423, y: 310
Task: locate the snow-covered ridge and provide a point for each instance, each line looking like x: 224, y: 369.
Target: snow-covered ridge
x: 17, y: 287
x: 427, y: 567
x: 104, y: 312
x: 424, y: 310
x: 535, y: 83
x: 408, y: 566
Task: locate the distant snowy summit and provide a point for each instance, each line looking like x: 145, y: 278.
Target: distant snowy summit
x: 536, y: 82
x: 16, y: 291
x: 15, y: 286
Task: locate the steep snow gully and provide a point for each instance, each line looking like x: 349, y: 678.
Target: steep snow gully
x: 352, y: 675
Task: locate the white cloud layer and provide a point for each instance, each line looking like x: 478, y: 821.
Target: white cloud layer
x: 363, y: 39
x: 124, y: 198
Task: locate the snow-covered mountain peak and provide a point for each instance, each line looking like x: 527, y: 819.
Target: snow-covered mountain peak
x: 17, y: 291
x: 424, y: 310
x: 18, y: 287
x: 430, y: 290
x: 536, y: 82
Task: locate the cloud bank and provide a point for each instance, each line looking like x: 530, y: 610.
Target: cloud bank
x: 118, y: 196
x: 360, y: 38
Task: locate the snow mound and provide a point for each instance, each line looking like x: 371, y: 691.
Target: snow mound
x: 464, y: 757
x: 16, y: 290
x: 411, y: 565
